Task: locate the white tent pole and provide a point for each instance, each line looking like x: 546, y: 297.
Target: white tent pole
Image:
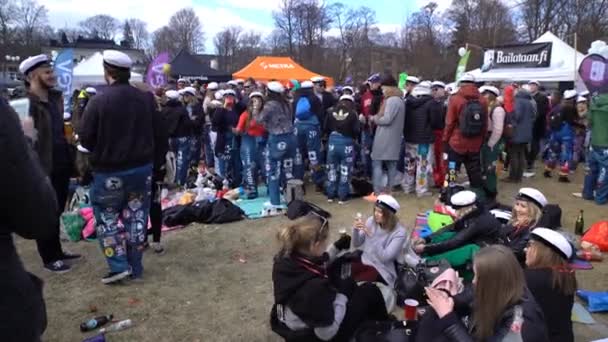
x: 575, y: 55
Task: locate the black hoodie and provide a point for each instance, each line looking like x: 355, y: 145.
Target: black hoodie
x: 309, y: 295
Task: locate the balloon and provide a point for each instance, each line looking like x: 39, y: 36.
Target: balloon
x: 462, y: 51
x: 166, y: 68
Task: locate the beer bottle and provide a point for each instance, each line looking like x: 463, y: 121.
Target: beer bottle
x: 579, y: 226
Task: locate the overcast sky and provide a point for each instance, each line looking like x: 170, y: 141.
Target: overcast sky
x: 215, y: 14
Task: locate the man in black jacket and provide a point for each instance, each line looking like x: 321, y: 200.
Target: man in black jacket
x: 32, y: 216
x: 46, y: 111
x: 121, y: 129
x: 540, y: 124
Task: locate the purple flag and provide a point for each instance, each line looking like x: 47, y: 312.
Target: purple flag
x: 155, y: 76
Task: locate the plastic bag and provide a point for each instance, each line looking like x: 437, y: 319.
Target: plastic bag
x: 596, y: 301
x: 598, y: 235
x: 72, y: 225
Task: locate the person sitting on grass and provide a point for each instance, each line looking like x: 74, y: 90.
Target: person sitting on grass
x: 310, y: 305
x: 474, y: 227
x: 382, y: 239
x: 500, y: 307
x: 526, y: 213
x: 551, y: 280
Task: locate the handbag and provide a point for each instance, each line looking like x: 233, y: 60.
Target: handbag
x: 411, y: 281
x: 385, y: 331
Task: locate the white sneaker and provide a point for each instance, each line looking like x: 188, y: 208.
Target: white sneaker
x: 341, y: 202
x: 330, y: 200
x: 529, y: 174
x: 577, y: 194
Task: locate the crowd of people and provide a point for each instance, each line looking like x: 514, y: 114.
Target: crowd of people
x: 252, y: 133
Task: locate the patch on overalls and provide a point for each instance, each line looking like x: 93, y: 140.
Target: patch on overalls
x: 282, y: 146
x: 113, y: 183
x: 135, y: 201
x: 109, y: 252
x: 109, y: 241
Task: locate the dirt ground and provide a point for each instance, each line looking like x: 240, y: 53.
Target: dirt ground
x: 214, y: 281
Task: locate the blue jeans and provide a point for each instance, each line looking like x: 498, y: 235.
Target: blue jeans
x: 340, y: 160
x: 309, y: 145
x: 125, y: 196
x: 207, y: 148
x: 181, y: 147
x: 596, y: 178
x: 252, y: 160
x: 228, y: 164
x: 365, y: 150
x: 378, y: 173
x: 560, y: 149
x: 281, y: 153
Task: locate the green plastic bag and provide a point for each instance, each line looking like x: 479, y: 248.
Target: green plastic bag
x: 72, y: 224
x: 437, y: 221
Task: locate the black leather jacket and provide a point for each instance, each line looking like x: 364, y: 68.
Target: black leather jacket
x: 479, y: 227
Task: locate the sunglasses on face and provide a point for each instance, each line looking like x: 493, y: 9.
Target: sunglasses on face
x: 324, y: 224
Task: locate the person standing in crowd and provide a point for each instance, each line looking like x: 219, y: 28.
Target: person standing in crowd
x: 525, y: 215
x: 224, y: 121
x: 522, y: 119
x: 509, y: 96
x: 179, y: 128
x: 309, y: 120
x: 181, y: 83
x: 501, y: 306
x: 596, y: 180
x: 195, y: 114
x: 46, y: 111
x: 370, y: 104
x: 493, y: 144
x: 465, y: 130
x: 327, y: 99
x: 418, y: 136
x: 310, y: 304
x: 540, y: 123
x: 437, y: 111
x: 342, y: 126
x: 208, y: 110
x: 33, y: 216
x: 410, y: 83
x: 551, y: 281
x: 389, y: 129
x: 276, y: 117
x: 580, y: 132
x: 120, y: 128
x: 561, y: 142
x: 253, y: 144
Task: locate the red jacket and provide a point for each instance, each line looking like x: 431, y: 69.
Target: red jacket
x: 451, y: 133
x: 509, y: 98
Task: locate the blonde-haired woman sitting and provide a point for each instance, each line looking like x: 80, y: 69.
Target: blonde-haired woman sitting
x: 527, y: 211
x: 309, y: 305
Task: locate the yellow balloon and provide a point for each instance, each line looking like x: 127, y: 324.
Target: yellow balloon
x: 166, y: 68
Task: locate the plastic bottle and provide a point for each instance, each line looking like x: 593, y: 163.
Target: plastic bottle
x: 95, y: 323
x: 122, y: 325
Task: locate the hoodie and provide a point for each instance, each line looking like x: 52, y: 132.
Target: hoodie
x: 451, y: 133
x: 598, y: 121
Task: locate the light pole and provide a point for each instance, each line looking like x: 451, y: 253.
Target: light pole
x: 9, y: 59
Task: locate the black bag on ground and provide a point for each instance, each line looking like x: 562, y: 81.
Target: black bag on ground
x: 472, y: 119
x: 219, y: 211
x: 384, y: 331
x: 411, y: 281
x: 224, y: 211
x: 361, y: 187
x: 551, y: 217
x: 299, y: 208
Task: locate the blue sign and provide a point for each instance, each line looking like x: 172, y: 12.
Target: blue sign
x: 63, y: 67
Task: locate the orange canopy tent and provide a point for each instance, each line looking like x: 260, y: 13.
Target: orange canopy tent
x: 266, y: 68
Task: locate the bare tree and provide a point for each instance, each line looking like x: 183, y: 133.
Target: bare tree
x: 127, y: 35
x: 285, y: 22
x: 163, y: 40
x: 187, y: 30
x: 100, y: 26
x: 7, y: 19
x: 139, y: 30
x: 31, y: 18
x: 312, y: 20
x: 227, y: 45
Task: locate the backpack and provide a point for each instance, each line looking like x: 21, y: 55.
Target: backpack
x: 551, y: 217
x: 555, y: 121
x: 298, y: 208
x: 472, y: 119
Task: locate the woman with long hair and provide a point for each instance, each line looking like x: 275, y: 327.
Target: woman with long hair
x: 309, y: 305
x: 277, y: 119
x: 502, y: 308
x: 525, y: 215
x: 253, y: 144
x: 382, y: 239
x: 223, y: 122
x: 552, y: 281
x: 493, y: 144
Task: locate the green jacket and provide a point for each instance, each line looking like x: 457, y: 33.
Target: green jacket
x: 598, y: 121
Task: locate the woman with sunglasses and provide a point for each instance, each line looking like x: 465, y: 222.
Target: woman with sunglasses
x: 527, y: 211
x: 382, y: 239
x: 551, y: 280
x: 309, y: 305
x: 499, y: 308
